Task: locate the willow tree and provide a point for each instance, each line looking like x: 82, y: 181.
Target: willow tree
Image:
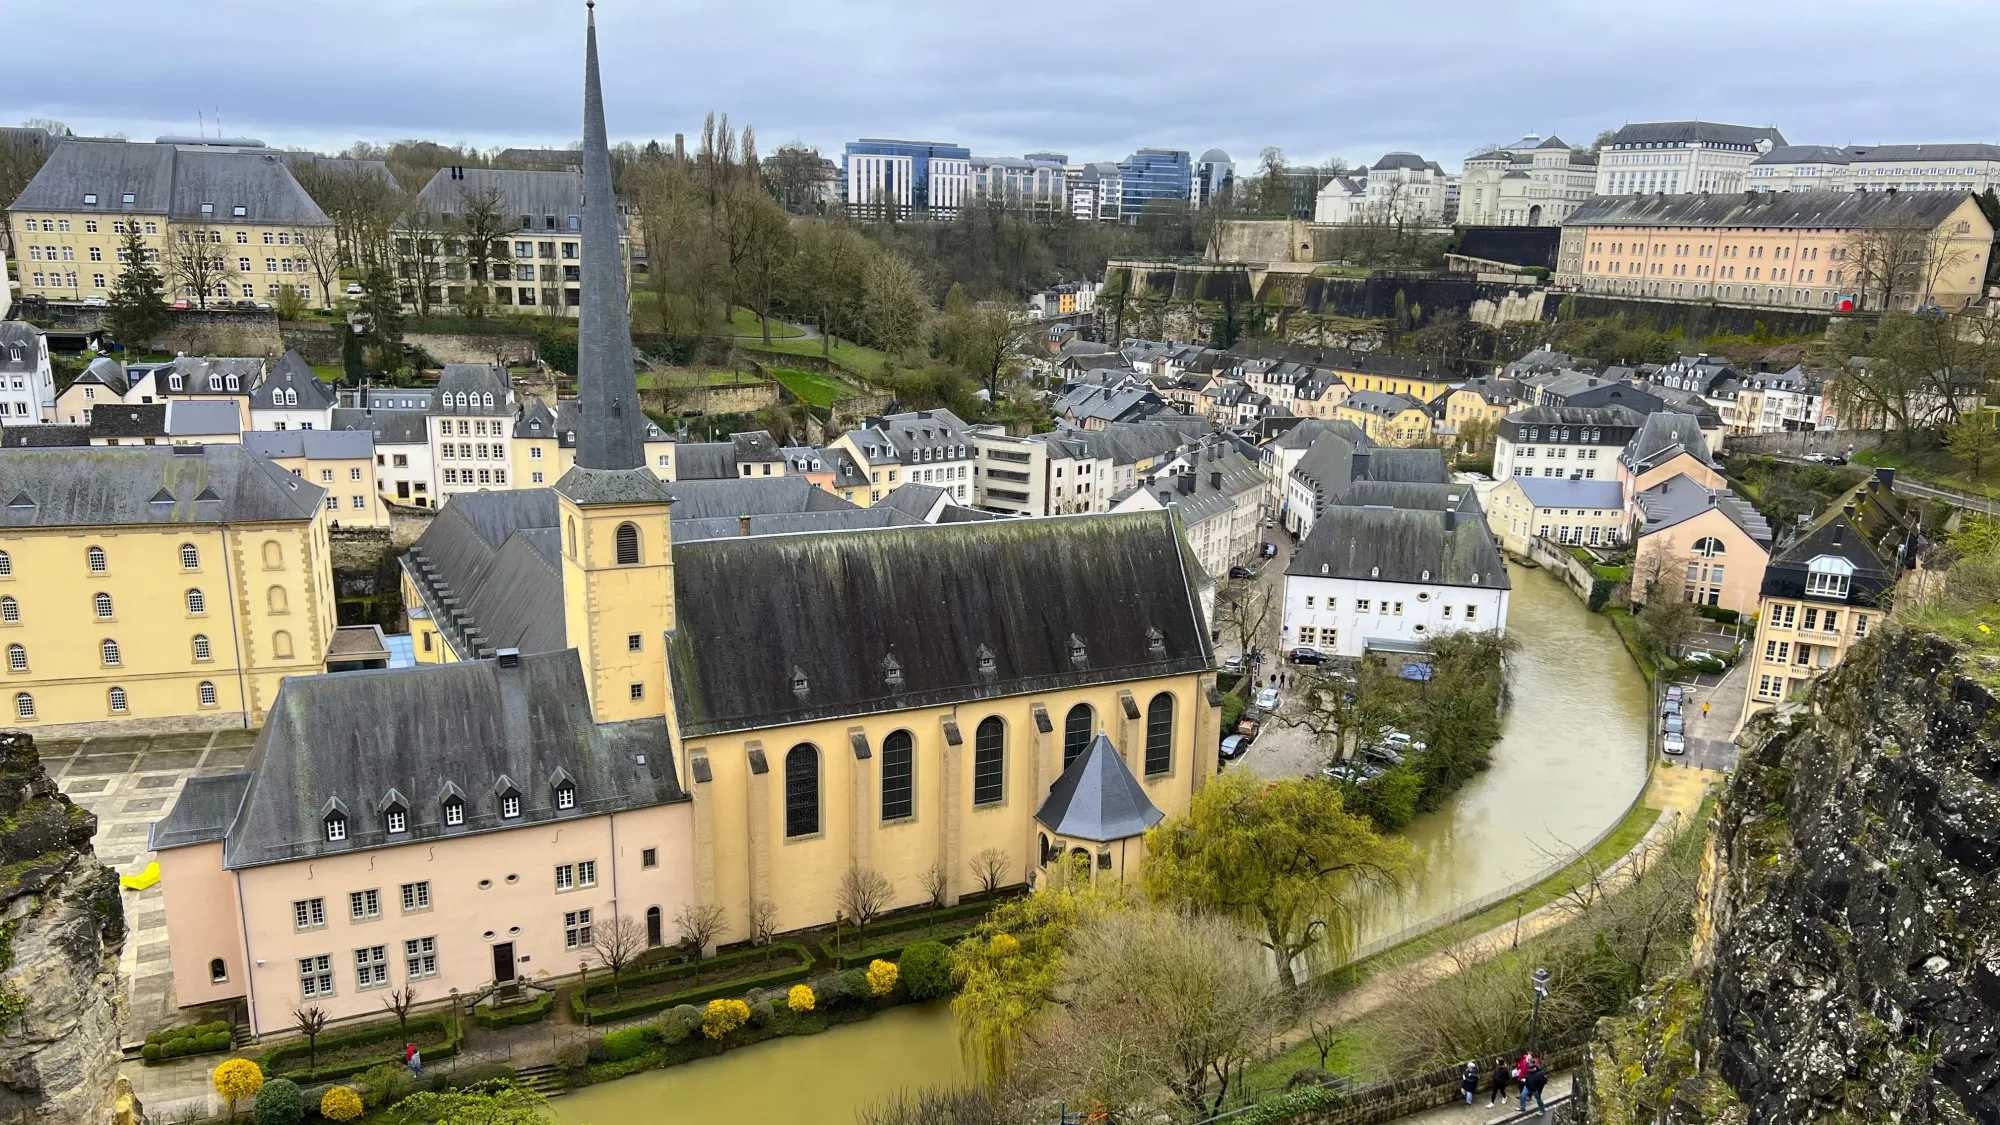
x: 1286, y: 859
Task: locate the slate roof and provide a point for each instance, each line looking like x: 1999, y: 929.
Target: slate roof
x: 1400, y: 545
x: 749, y: 496
x: 705, y: 460
x: 258, y: 180
x: 1107, y: 404
x: 1561, y: 492
x: 931, y: 597
x: 144, y: 485
x: 488, y: 570
x: 1399, y: 160
x: 1878, y: 536
x: 1681, y: 498
x: 1613, y: 415
x: 43, y: 436
x: 1097, y: 798
x: 1664, y: 435
x: 106, y: 372
x: 197, y: 418
x: 1785, y: 210
x: 584, y: 485
x: 109, y: 169
x: 316, y: 445
x: 1805, y: 154
x: 918, y: 500
x: 536, y: 195
x: 21, y: 346
x: 291, y: 372
x: 754, y: 447
x: 202, y: 815
x: 792, y: 523
x: 128, y: 420
x: 195, y: 371
x: 1413, y: 495
x: 1707, y: 132
x: 1382, y: 403
x: 475, y: 381
x: 1310, y: 430
x: 363, y: 739
x: 1128, y: 443
x: 390, y: 427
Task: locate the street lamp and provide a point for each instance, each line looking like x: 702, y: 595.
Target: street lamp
x: 1541, y: 981
x: 1519, y: 903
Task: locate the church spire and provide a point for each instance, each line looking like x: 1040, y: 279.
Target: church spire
x: 607, y: 389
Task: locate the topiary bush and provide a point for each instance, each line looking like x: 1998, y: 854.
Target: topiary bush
x: 671, y: 1027
x: 800, y: 998
x: 340, y: 1103
x: 925, y: 969
x: 279, y: 1103
x: 882, y: 977
x: 627, y: 1044
x: 759, y: 1007
x: 723, y: 1017
x: 572, y: 1058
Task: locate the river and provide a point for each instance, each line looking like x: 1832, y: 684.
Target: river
x: 807, y: 1080
x: 1571, y: 756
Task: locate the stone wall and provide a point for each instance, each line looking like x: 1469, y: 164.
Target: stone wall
x: 367, y: 580
x: 746, y: 397
x: 1556, y: 559
x: 465, y: 347
x: 1389, y: 1099
x: 61, y: 928
x: 314, y: 341
x: 1797, y: 443
x: 1695, y: 319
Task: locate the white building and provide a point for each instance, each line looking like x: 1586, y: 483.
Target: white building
x: 1383, y: 579
x: 291, y: 397
x: 1676, y: 157
x: 472, y: 428
x: 1580, y: 442
x: 1530, y: 183
x: 27, y: 383
x: 1971, y: 167
x: 933, y: 447
x: 405, y: 464
x: 1219, y: 494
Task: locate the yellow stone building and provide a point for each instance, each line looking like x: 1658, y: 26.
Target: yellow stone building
x: 1389, y: 375
x: 237, y: 199
x: 340, y: 462
x: 164, y: 586
x: 1391, y: 419
x: 544, y: 445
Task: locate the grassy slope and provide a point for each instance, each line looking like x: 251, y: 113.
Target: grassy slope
x: 811, y: 386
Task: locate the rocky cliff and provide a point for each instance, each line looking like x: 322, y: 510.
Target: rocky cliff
x: 61, y: 927
x: 1847, y: 960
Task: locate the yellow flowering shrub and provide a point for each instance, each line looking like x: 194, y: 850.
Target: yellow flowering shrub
x: 1005, y: 945
x: 800, y: 998
x: 723, y: 1016
x: 236, y: 1080
x: 881, y: 977
x: 340, y: 1104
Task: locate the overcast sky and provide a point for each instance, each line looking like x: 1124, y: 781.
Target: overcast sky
x: 1320, y: 78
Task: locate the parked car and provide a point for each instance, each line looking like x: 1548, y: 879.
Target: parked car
x: 1242, y: 572
x: 1353, y: 770
x: 183, y: 303
x: 1398, y: 740
x: 1382, y: 754
x: 1233, y: 664
x: 354, y: 288
x: 1249, y: 721
x: 1270, y: 549
x: 1306, y: 654
x: 263, y: 306
x: 1234, y: 747
x: 1674, y: 724
x: 246, y: 304
x: 1824, y: 458
x: 95, y: 301
x: 1676, y: 691
x: 1268, y: 698
x: 1672, y: 743
x: 1270, y: 521
x: 1670, y: 707
x: 1699, y: 654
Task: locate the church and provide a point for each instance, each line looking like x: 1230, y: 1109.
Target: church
x: 618, y: 726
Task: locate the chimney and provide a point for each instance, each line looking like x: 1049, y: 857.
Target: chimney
x: 1186, y: 484
x: 1888, y: 478
x: 1450, y: 520
x: 1215, y: 479
x: 1711, y: 499
x: 743, y: 524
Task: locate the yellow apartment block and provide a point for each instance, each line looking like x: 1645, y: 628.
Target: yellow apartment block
x: 157, y: 587
x: 340, y: 462
x: 1391, y: 419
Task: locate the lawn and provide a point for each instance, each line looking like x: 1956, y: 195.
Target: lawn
x: 865, y: 362
x: 744, y: 322
x: 703, y: 378
x: 812, y: 387
x: 329, y: 372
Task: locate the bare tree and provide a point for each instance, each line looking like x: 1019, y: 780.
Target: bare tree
x: 196, y: 264
x: 935, y: 883
x: 763, y: 923
x: 991, y: 868
x: 619, y: 943
x: 420, y: 256
x: 1325, y: 1036
x: 1244, y: 610
x: 1894, y: 264
x: 321, y: 247
x: 482, y: 224
x: 401, y: 1002
x: 310, y: 1021
x: 699, y: 927
x: 863, y: 895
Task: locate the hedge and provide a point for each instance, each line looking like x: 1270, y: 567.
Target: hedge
x: 641, y: 977
x: 612, y: 1013
x: 1717, y: 613
x: 432, y: 1034
x: 513, y: 1015
x: 188, y: 1039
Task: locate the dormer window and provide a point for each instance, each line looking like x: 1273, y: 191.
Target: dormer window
x: 565, y: 794
x: 510, y: 806
x: 90, y: 199
x: 174, y: 382
x: 1078, y: 654
x: 208, y: 208
x: 336, y: 827
x: 397, y: 821
x: 987, y: 664
x: 892, y: 671
x: 128, y: 197
x: 215, y: 382
x: 232, y: 382
x: 801, y: 686
x: 454, y: 811
x: 239, y: 212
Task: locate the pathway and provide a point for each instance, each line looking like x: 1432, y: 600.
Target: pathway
x: 1478, y: 1113
x: 1711, y: 734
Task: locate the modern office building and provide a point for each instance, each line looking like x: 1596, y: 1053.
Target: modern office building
x: 924, y: 177
x: 1150, y: 174
x: 1214, y: 177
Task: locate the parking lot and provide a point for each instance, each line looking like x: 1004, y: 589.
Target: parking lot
x: 1709, y: 744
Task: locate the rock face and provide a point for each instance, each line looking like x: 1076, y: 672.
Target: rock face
x: 1848, y: 959
x: 61, y: 926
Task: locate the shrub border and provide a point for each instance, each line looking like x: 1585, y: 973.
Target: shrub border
x: 274, y: 1060
x: 513, y: 1015
x: 612, y: 1013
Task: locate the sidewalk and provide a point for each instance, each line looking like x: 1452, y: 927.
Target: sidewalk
x: 1458, y: 1113
x: 1711, y: 735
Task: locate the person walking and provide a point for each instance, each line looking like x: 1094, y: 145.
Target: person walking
x: 1500, y: 1077
x: 1704, y: 707
x: 416, y: 1062
x: 1521, y: 1077
x: 1532, y: 1081
x: 1468, y: 1082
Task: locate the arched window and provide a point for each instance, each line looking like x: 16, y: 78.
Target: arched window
x: 1708, y: 547
x: 201, y: 649
x: 190, y: 557
x: 1080, y: 724
x: 17, y: 658
x: 802, y: 790
x: 218, y: 972
x: 206, y: 693
x: 898, y: 776
x: 1160, y: 734
x: 102, y: 603
x: 572, y: 537
x: 95, y: 557
x: 281, y: 644
x: 628, y: 544
x: 10, y: 610
x: 24, y: 705
x: 6, y: 565
x: 989, y: 761
x: 118, y: 701
x: 108, y: 648
x: 274, y: 555
x: 654, y: 937
x: 278, y: 600
x: 1045, y: 850
x: 196, y: 603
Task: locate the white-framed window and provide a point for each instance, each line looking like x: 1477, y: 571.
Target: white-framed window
x: 416, y: 896
x: 119, y: 703
x: 308, y: 913
x: 420, y: 958
x: 566, y: 794
x: 454, y: 812
x: 201, y: 647
x: 576, y: 929
x: 586, y: 873
x: 565, y: 877
x: 397, y: 821
x: 336, y: 828
x: 365, y: 905
x: 316, y: 976
x: 371, y: 966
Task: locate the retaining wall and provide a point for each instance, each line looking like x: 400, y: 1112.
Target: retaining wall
x: 1695, y: 319
x: 1389, y: 1099
x: 1555, y: 558
x: 1796, y: 443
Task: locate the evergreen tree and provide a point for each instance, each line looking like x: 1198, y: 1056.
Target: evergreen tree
x: 137, y: 312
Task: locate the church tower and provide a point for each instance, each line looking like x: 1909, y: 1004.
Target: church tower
x: 617, y: 549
